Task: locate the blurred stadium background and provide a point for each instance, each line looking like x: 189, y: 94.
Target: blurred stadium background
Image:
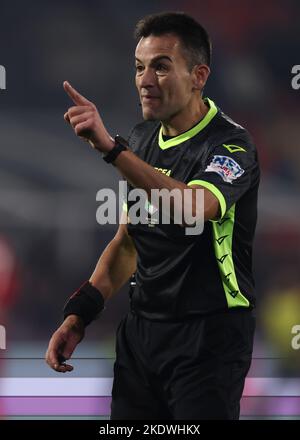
x: 49, y: 238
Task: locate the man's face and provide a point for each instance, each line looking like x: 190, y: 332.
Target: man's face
x: 162, y: 77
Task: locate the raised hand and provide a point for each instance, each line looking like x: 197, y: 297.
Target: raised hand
x: 86, y: 121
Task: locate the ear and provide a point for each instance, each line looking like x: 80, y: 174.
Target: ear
x: 200, y: 73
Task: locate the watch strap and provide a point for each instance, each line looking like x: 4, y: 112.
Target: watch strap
x: 120, y: 145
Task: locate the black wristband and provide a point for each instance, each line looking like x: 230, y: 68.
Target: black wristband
x: 87, y: 302
x: 120, y: 145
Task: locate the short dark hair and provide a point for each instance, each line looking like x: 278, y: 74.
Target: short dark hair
x: 193, y: 36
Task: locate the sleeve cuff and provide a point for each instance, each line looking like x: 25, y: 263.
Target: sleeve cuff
x: 216, y: 192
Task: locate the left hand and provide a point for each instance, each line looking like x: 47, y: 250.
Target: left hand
x: 86, y: 121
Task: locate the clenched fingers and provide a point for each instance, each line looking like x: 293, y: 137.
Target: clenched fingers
x: 55, y: 359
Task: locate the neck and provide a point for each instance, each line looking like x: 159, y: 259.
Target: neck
x: 185, y: 119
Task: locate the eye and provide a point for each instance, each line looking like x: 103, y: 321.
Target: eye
x: 161, y: 68
x: 139, y: 69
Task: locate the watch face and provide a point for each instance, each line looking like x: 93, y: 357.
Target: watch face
x: 120, y: 140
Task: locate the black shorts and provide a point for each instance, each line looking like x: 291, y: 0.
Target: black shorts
x: 193, y: 369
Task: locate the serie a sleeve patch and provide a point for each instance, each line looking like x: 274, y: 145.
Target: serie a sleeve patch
x: 226, y: 167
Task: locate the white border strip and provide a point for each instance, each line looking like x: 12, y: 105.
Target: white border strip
x: 95, y: 386
x: 44, y: 386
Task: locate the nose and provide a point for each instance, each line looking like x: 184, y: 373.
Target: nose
x: 147, y: 79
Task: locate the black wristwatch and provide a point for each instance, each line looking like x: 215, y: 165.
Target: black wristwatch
x: 120, y: 145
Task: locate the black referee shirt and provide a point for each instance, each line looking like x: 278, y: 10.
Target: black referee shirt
x: 178, y: 274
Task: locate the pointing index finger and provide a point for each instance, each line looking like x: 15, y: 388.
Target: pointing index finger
x: 76, y: 97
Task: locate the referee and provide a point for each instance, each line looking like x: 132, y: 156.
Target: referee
x: 185, y: 347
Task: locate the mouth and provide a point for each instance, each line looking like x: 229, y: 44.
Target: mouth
x: 149, y: 100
